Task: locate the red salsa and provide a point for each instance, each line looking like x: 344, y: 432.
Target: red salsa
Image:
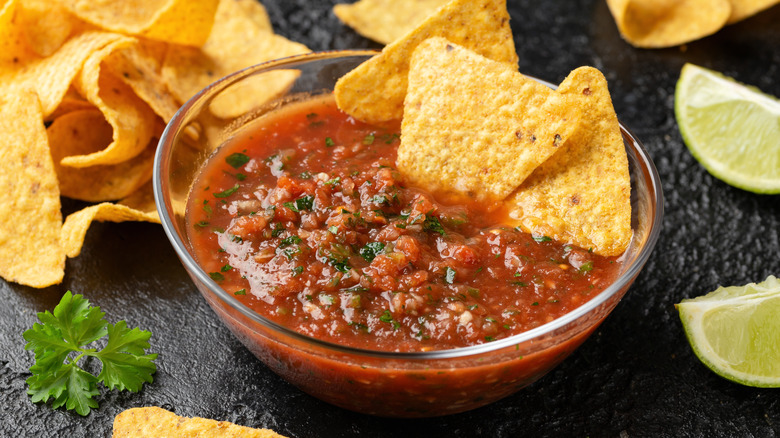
x: 305, y: 219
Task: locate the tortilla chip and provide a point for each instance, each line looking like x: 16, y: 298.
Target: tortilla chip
x: 47, y: 25
x: 477, y: 128
x: 30, y: 218
x: 140, y: 66
x: 131, y: 119
x: 84, y: 132
x: 374, y: 91
x: 386, y: 20
x: 154, y: 422
x: 72, y: 101
x: 74, y: 230
x: 52, y: 77
x: 741, y: 9
x: 255, y: 11
x: 185, y: 22
x: 582, y: 194
x: 236, y: 42
x: 666, y: 23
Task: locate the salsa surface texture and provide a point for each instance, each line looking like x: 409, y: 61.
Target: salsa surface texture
x: 305, y: 219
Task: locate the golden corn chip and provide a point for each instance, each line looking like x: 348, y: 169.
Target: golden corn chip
x: 51, y: 77
x: 236, y: 42
x: 30, y: 218
x: 175, y: 21
x: 475, y: 127
x: 386, y: 20
x: 154, y: 422
x: 741, y: 9
x: 71, y: 101
x: 582, y: 194
x: 74, y: 230
x: 255, y: 11
x: 84, y: 132
x: 47, y: 25
x: 131, y: 119
x: 140, y: 66
x: 374, y: 91
x: 13, y: 49
x: 666, y: 23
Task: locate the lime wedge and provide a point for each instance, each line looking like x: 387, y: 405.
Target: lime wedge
x: 733, y: 130
x: 735, y: 331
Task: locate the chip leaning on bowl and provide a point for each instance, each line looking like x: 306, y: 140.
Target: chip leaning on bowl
x: 87, y: 89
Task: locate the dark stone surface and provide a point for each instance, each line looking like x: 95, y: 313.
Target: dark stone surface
x: 636, y: 376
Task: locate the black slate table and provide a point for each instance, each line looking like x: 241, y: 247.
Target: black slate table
x: 636, y: 376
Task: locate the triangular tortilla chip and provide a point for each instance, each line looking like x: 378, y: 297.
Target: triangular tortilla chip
x: 131, y: 119
x: 30, y: 218
x: 477, y: 128
x: 154, y: 422
x: 386, y: 20
x: 374, y: 91
x: 51, y: 77
x: 84, y: 132
x: 140, y: 67
x: 666, y: 23
x: 238, y: 40
x: 582, y: 194
x: 176, y: 21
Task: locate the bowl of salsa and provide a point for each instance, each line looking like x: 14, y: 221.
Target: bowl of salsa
x: 360, y: 289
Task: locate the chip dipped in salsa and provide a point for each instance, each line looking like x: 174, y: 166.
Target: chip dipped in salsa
x: 305, y: 219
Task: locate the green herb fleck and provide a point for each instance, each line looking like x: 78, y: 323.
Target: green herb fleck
x: 226, y: 193
x: 371, y: 250
x: 237, y: 160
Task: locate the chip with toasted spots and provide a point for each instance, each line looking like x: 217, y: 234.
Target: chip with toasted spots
x: 386, y: 20
x: 51, y: 77
x: 142, y: 199
x: 30, y: 218
x: 475, y: 128
x: 175, y: 21
x: 374, y: 91
x: 236, y: 42
x: 84, y: 132
x: 154, y: 422
x: 131, y: 119
x: 140, y: 67
x: 582, y: 193
x: 47, y: 25
x: 666, y: 23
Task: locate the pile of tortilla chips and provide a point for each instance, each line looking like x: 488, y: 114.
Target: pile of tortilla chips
x: 154, y: 422
x: 667, y: 23
x: 385, y: 21
x: 475, y: 128
x: 86, y: 88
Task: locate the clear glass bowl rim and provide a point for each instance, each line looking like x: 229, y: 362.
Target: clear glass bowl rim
x: 180, y: 120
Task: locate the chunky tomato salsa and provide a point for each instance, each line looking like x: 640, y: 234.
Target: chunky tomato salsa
x: 305, y: 219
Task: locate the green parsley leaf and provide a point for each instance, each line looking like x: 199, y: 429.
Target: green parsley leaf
x: 432, y: 224
x: 72, y: 327
x: 329, y: 142
x: 542, y: 238
x: 240, y: 292
x: 298, y: 270
x: 369, y: 139
x: 371, y: 250
x: 291, y: 240
x: 386, y: 316
x: 216, y: 276
x: 236, y: 160
x: 226, y: 193
x: 586, y: 267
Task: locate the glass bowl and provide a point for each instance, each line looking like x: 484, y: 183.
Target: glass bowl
x: 391, y: 384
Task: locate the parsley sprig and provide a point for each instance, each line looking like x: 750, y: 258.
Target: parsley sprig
x: 61, y: 341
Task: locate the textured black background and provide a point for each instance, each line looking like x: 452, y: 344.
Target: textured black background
x: 636, y: 376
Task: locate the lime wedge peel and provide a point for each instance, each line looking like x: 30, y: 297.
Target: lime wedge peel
x: 732, y: 129
x: 735, y: 331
